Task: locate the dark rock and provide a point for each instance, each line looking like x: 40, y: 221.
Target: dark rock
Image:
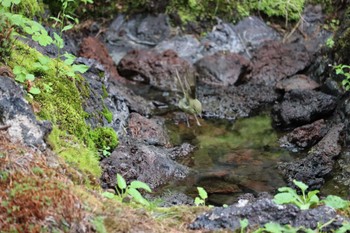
x: 138, y: 32
x: 145, y: 163
x: 181, y: 151
x: 302, y: 107
x: 312, y: 169
x: 275, y: 61
x: 187, y: 47
x: 16, y: 113
x: 151, y: 131
x: 222, y: 69
x: 234, y: 102
x: 222, y: 38
x: 107, y: 95
x: 254, y: 32
x: 299, y: 81
x: 305, y: 136
x: 175, y: 199
x: 263, y: 211
x: 159, y: 70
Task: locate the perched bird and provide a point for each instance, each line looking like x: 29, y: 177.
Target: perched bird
x: 187, y: 103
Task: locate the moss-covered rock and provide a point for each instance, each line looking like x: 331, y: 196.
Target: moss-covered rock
x: 104, y: 137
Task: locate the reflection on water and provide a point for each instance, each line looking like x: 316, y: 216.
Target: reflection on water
x: 231, y: 158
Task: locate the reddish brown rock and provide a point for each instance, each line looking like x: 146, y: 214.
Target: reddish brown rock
x: 92, y: 48
x: 298, y: 81
x: 151, y: 131
x: 156, y: 69
x: 275, y: 61
x: 222, y: 69
x: 306, y: 135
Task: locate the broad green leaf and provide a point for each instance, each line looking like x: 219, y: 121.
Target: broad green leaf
x: 287, y: 189
x: 20, y: 78
x: 137, y: 196
x: 30, y: 77
x: 284, y: 198
x: 121, y: 182
x: 300, y: 185
x: 34, y: 90
x: 108, y: 195
x: 7, y: 3
x: 303, y: 206
x: 202, y: 193
x: 345, y: 228
x: 198, y: 201
x: 19, y: 70
x: 70, y: 58
x: 140, y: 185
x: 80, y: 68
x: 336, y: 202
x: 244, y: 223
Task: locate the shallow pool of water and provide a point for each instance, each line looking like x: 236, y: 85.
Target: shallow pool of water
x: 231, y: 158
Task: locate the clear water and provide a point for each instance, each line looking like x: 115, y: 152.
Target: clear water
x: 231, y: 158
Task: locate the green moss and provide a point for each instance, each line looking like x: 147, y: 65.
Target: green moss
x: 104, y: 137
x: 104, y: 92
x: 74, y: 152
x: 107, y: 114
x: 30, y: 8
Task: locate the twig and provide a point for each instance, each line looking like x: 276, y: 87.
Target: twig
x: 4, y: 127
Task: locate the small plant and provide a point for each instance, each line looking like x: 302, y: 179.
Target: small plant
x: 131, y: 190
x: 105, y: 151
x: 203, y: 195
x: 244, y: 224
x: 330, y: 42
x: 343, y: 70
x: 288, y: 195
x: 273, y: 227
x: 335, y: 202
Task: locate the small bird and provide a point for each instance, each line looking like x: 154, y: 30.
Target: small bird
x: 187, y: 104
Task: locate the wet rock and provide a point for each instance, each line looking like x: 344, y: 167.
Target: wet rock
x: 138, y: 32
x: 159, y: 70
x: 312, y: 169
x: 109, y: 97
x: 262, y: 211
x: 187, y: 47
x: 305, y: 136
x: 275, y: 61
x: 234, y: 102
x: 151, y: 131
x: 301, y: 107
x: 222, y: 38
x: 222, y: 69
x: 16, y: 113
x: 181, y: 151
x: 254, y: 32
x: 299, y: 81
x: 145, y: 163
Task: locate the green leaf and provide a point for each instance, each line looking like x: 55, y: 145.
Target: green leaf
x: 7, y: 3
x: 108, y: 195
x: 70, y: 58
x: 202, y: 193
x: 300, y: 185
x: 345, y: 228
x: 140, y: 185
x: 284, y: 198
x: 68, y: 27
x: 30, y: 77
x: 336, y: 202
x: 34, y: 90
x: 121, y: 182
x: 198, y: 201
x: 80, y: 68
x: 137, y: 196
x: 244, y: 223
x: 20, y: 78
x: 58, y: 40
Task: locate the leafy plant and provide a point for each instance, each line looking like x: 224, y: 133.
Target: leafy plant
x: 203, y: 195
x: 105, y: 151
x: 335, y: 202
x: 289, y: 195
x: 244, y: 224
x: 330, y: 42
x: 273, y: 227
x: 343, y: 70
x: 131, y: 190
